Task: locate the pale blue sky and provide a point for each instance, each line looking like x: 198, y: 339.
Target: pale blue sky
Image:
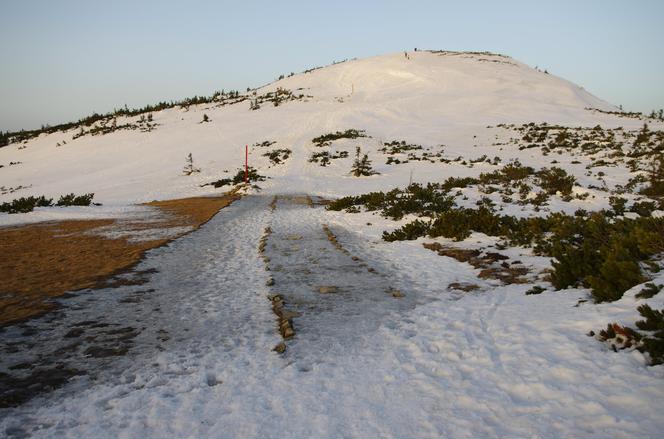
x: 61, y: 60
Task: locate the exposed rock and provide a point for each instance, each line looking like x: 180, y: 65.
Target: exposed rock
x: 463, y: 286
x: 460, y: 255
x: 396, y: 293
x: 508, y: 275
x: 286, y: 314
x: 329, y: 289
x: 288, y: 332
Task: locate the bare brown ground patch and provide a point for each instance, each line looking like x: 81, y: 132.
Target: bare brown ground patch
x: 45, y: 260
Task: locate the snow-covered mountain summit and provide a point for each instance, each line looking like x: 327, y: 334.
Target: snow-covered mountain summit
x: 433, y: 99
x: 457, y: 86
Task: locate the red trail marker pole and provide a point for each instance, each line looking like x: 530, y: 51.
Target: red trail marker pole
x: 246, y: 164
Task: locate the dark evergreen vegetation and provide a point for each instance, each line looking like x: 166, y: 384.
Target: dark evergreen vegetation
x: 327, y: 139
x: 278, y: 156
x: 253, y: 175
x: 28, y: 204
x: 595, y: 250
x: 362, y: 165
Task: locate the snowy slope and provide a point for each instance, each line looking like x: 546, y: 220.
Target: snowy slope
x: 434, y: 363
x: 430, y: 99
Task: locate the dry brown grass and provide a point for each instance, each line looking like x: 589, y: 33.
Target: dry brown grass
x: 45, y: 260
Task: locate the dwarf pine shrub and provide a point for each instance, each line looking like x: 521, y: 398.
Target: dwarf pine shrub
x: 25, y: 204
x: 554, y: 180
x: 655, y: 186
x: 649, y: 290
x: 324, y: 157
x: 604, y: 255
x: 426, y: 200
x: 28, y: 204
x: 596, y: 251
x: 643, y: 208
x: 75, y: 200
x: 252, y: 175
x: 412, y: 230
x: 278, y: 156
x: 327, y: 139
x: 653, y: 342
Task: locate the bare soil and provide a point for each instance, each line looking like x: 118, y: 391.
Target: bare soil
x: 46, y: 260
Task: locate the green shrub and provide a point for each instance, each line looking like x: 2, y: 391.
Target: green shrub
x: 219, y: 183
x: 25, y: 204
x: 535, y: 290
x: 618, y: 272
x: 596, y: 251
x: 412, y: 230
x: 75, y: 200
x: 28, y: 204
x: 618, y: 205
x: 324, y: 157
x: 655, y: 186
x: 652, y: 343
x: 457, y: 182
x: 426, y: 201
x: 604, y: 255
x: 509, y: 173
x: 277, y: 156
x: 237, y: 179
x: 554, y: 180
x: 643, y: 208
x: 452, y: 224
x: 397, y: 147
x: 327, y: 139
x: 649, y: 290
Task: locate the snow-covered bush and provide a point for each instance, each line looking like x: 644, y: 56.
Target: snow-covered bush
x: 189, y: 167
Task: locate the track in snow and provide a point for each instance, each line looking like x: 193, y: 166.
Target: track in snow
x: 206, y: 298
x: 362, y: 363
x: 336, y: 295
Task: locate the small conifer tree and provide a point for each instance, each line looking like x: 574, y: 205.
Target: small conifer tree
x: 189, y: 167
x: 361, y: 166
x: 205, y: 119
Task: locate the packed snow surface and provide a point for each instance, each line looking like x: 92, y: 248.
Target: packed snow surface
x: 383, y: 348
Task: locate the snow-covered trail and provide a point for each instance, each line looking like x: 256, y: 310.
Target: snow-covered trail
x: 363, y: 363
x: 339, y: 299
